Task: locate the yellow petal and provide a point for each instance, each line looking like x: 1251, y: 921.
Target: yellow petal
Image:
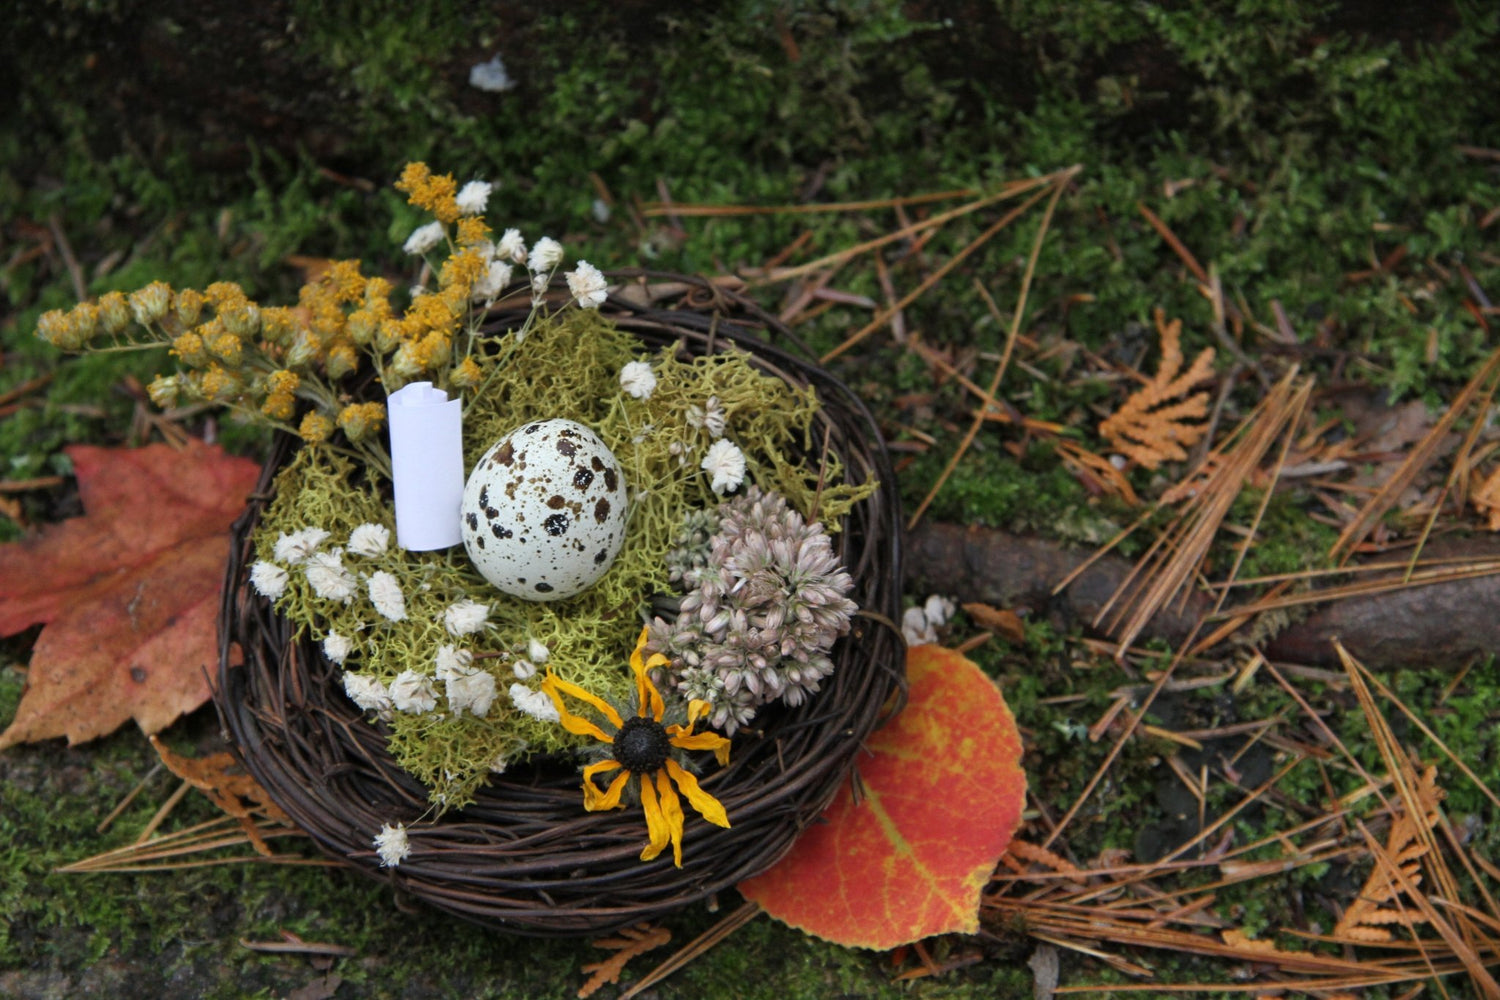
x: 555, y: 687
x: 697, y: 709
x: 708, y: 807
x: 687, y: 740
x: 656, y: 823
x: 671, y: 808
x: 595, y: 800
x: 647, y: 697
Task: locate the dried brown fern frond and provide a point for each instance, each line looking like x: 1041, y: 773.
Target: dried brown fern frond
x: 1404, y: 849
x: 630, y: 942
x: 1154, y: 425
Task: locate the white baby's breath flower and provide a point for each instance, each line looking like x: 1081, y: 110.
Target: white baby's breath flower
x: 369, y: 540
x: 367, y: 692
x: 726, y: 464
x: 337, y: 647
x: 587, y: 285
x: 492, y: 282
x: 538, y: 652
x: 452, y: 662
x: 268, y: 579
x: 466, y: 617
x: 637, y: 379
x: 473, y: 197
x: 292, y: 549
x: 385, y: 594
x: 710, y: 417
x: 392, y: 844
x: 533, y: 703
x: 523, y: 669
x: 327, y: 576
x: 511, y: 247
x: 473, y: 691
x: 546, y: 253
x: 424, y: 238
x: 411, y: 692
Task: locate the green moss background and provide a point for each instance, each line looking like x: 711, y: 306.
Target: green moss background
x: 1287, y: 142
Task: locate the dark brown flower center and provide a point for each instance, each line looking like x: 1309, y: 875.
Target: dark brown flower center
x: 642, y: 745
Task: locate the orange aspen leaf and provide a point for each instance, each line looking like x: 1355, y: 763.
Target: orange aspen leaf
x: 942, y: 795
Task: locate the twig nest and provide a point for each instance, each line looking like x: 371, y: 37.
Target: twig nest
x: 544, y: 511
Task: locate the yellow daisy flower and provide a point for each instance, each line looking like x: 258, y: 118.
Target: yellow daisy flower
x: 642, y: 747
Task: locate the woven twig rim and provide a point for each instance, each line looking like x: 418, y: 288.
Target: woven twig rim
x: 525, y: 856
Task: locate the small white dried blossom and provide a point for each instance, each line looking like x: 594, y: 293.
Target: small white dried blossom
x: 452, y: 662
x: 385, y: 594
x: 424, y: 238
x: 473, y: 197
x: 268, y: 579
x: 492, y: 282
x: 392, y: 844
x: 369, y: 540
x: 473, y: 691
x: 726, y: 464
x: 710, y: 417
x: 466, y: 617
x: 546, y: 253
x: 537, y: 652
x: 587, y: 285
x: 490, y: 76
x: 337, y: 647
x: 411, y: 692
x: 523, y: 669
x: 511, y: 247
x: 328, y: 578
x: 367, y: 692
x: 637, y: 379
x: 292, y: 549
x: 915, y: 628
x: 938, y: 609
x: 533, y: 703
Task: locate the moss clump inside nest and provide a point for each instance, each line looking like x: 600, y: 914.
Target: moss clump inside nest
x: 568, y: 366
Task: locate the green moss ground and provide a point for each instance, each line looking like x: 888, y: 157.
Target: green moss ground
x: 193, y: 142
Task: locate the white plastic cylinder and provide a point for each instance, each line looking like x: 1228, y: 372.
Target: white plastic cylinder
x: 427, y: 464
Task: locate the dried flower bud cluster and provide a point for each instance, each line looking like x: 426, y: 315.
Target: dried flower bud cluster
x: 765, y: 603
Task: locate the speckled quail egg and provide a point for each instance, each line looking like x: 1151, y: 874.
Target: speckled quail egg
x: 544, y: 511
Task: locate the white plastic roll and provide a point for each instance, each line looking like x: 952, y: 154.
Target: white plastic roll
x: 427, y: 464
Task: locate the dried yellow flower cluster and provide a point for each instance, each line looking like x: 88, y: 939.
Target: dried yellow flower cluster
x: 270, y: 362
x: 265, y: 360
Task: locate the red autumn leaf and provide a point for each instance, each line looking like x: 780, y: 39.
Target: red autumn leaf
x: 129, y: 591
x: 942, y: 796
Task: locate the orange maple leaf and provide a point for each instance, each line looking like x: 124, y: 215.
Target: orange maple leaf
x: 1149, y: 427
x: 129, y: 592
x: 943, y: 793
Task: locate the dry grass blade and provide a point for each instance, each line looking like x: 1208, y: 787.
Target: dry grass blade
x: 1061, y: 182
x: 652, y: 209
x: 166, y: 853
x: 921, y: 226
x: 1442, y: 572
x: 884, y: 317
x: 1177, y: 555
x: 1422, y: 454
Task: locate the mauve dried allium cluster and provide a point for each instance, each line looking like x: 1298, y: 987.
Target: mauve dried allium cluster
x: 765, y: 600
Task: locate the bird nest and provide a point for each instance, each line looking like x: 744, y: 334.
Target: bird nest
x: 525, y: 856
